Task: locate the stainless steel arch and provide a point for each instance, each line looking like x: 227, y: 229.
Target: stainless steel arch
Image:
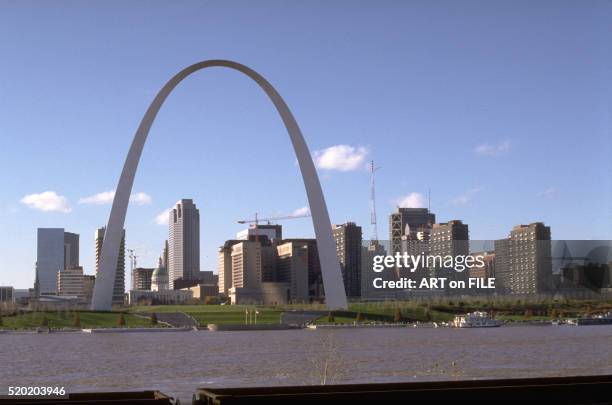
x: 330, y: 268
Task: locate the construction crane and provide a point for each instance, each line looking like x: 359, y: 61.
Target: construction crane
x: 269, y: 221
x: 373, y: 169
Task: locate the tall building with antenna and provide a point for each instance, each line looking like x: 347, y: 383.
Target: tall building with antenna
x: 409, y: 223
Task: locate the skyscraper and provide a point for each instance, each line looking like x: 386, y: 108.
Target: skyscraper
x: 184, y: 242
x: 55, y: 251
x: 450, y: 239
x: 408, y: 222
x: 523, y: 263
x: 348, y: 248
x: 119, y: 287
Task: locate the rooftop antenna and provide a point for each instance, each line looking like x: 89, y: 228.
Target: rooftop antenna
x: 373, y: 169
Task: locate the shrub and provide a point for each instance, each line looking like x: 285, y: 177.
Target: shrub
x: 121, y: 320
x: 153, y: 318
x: 77, y: 320
x: 330, y: 317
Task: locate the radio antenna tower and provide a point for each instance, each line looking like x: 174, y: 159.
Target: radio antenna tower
x: 373, y: 169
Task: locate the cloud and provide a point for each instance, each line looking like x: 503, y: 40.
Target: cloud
x: 497, y: 149
x: 300, y: 212
x: 343, y: 158
x: 141, y: 198
x: 162, y: 217
x: 412, y: 200
x: 106, y: 197
x: 466, y: 197
x: 548, y: 193
x: 47, y: 201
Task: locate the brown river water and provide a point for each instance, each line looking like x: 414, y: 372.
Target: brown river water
x: 177, y: 363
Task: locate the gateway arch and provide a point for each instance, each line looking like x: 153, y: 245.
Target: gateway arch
x: 335, y: 295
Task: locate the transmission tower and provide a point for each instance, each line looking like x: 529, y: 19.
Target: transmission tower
x: 374, y: 238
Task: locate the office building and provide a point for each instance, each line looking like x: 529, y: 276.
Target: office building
x: 7, y: 294
x: 119, y: 286
x: 523, y: 263
x: 183, y: 242
x: 315, y: 278
x: 224, y: 266
x: 270, y: 231
x: 449, y: 239
x: 246, y: 264
x: 348, y: 248
x: 55, y: 251
x: 142, y: 278
x: 70, y: 282
x: 408, y: 222
x: 292, y: 269
x: 486, y: 271
x: 88, y: 286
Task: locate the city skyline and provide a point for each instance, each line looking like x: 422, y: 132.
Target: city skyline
x: 491, y: 171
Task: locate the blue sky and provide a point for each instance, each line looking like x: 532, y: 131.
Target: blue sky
x: 501, y: 108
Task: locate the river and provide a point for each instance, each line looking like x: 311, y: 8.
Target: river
x: 177, y: 363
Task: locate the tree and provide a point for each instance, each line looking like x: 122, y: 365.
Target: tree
x: 398, y: 315
x: 121, y: 321
x: 528, y: 313
x: 44, y: 321
x: 359, y: 317
x: 553, y: 313
x: 153, y: 318
x: 77, y: 320
x: 330, y: 317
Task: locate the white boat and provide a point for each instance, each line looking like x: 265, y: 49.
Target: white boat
x: 476, y: 319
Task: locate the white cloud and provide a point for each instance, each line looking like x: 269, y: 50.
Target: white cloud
x: 497, y: 149
x: 141, y: 198
x: 412, y: 200
x: 301, y: 211
x: 162, y: 217
x: 47, y: 201
x: 466, y: 197
x: 106, y: 197
x: 343, y: 158
x: 548, y: 193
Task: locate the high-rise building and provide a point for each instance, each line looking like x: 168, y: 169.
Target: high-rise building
x: 271, y: 231
x: 89, y: 282
x: 315, y: 278
x: 523, y: 263
x: 292, y: 268
x: 224, y: 266
x: 7, y: 294
x: 142, y: 278
x: 486, y: 271
x: 246, y: 264
x: 119, y: 287
x: 70, y: 282
x: 56, y: 250
x: 348, y: 248
x: 449, y: 239
x: 183, y: 242
x: 408, y: 222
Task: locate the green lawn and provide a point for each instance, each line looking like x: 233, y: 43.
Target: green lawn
x: 218, y: 314
x: 59, y: 320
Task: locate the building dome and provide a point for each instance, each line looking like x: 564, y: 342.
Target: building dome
x: 159, y: 278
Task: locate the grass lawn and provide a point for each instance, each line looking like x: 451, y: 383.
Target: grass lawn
x: 219, y: 314
x: 56, y: 320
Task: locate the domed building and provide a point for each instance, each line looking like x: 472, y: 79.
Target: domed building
x: 159, y: 278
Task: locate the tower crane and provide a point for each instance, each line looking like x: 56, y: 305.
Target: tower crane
x: 269, y: 220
